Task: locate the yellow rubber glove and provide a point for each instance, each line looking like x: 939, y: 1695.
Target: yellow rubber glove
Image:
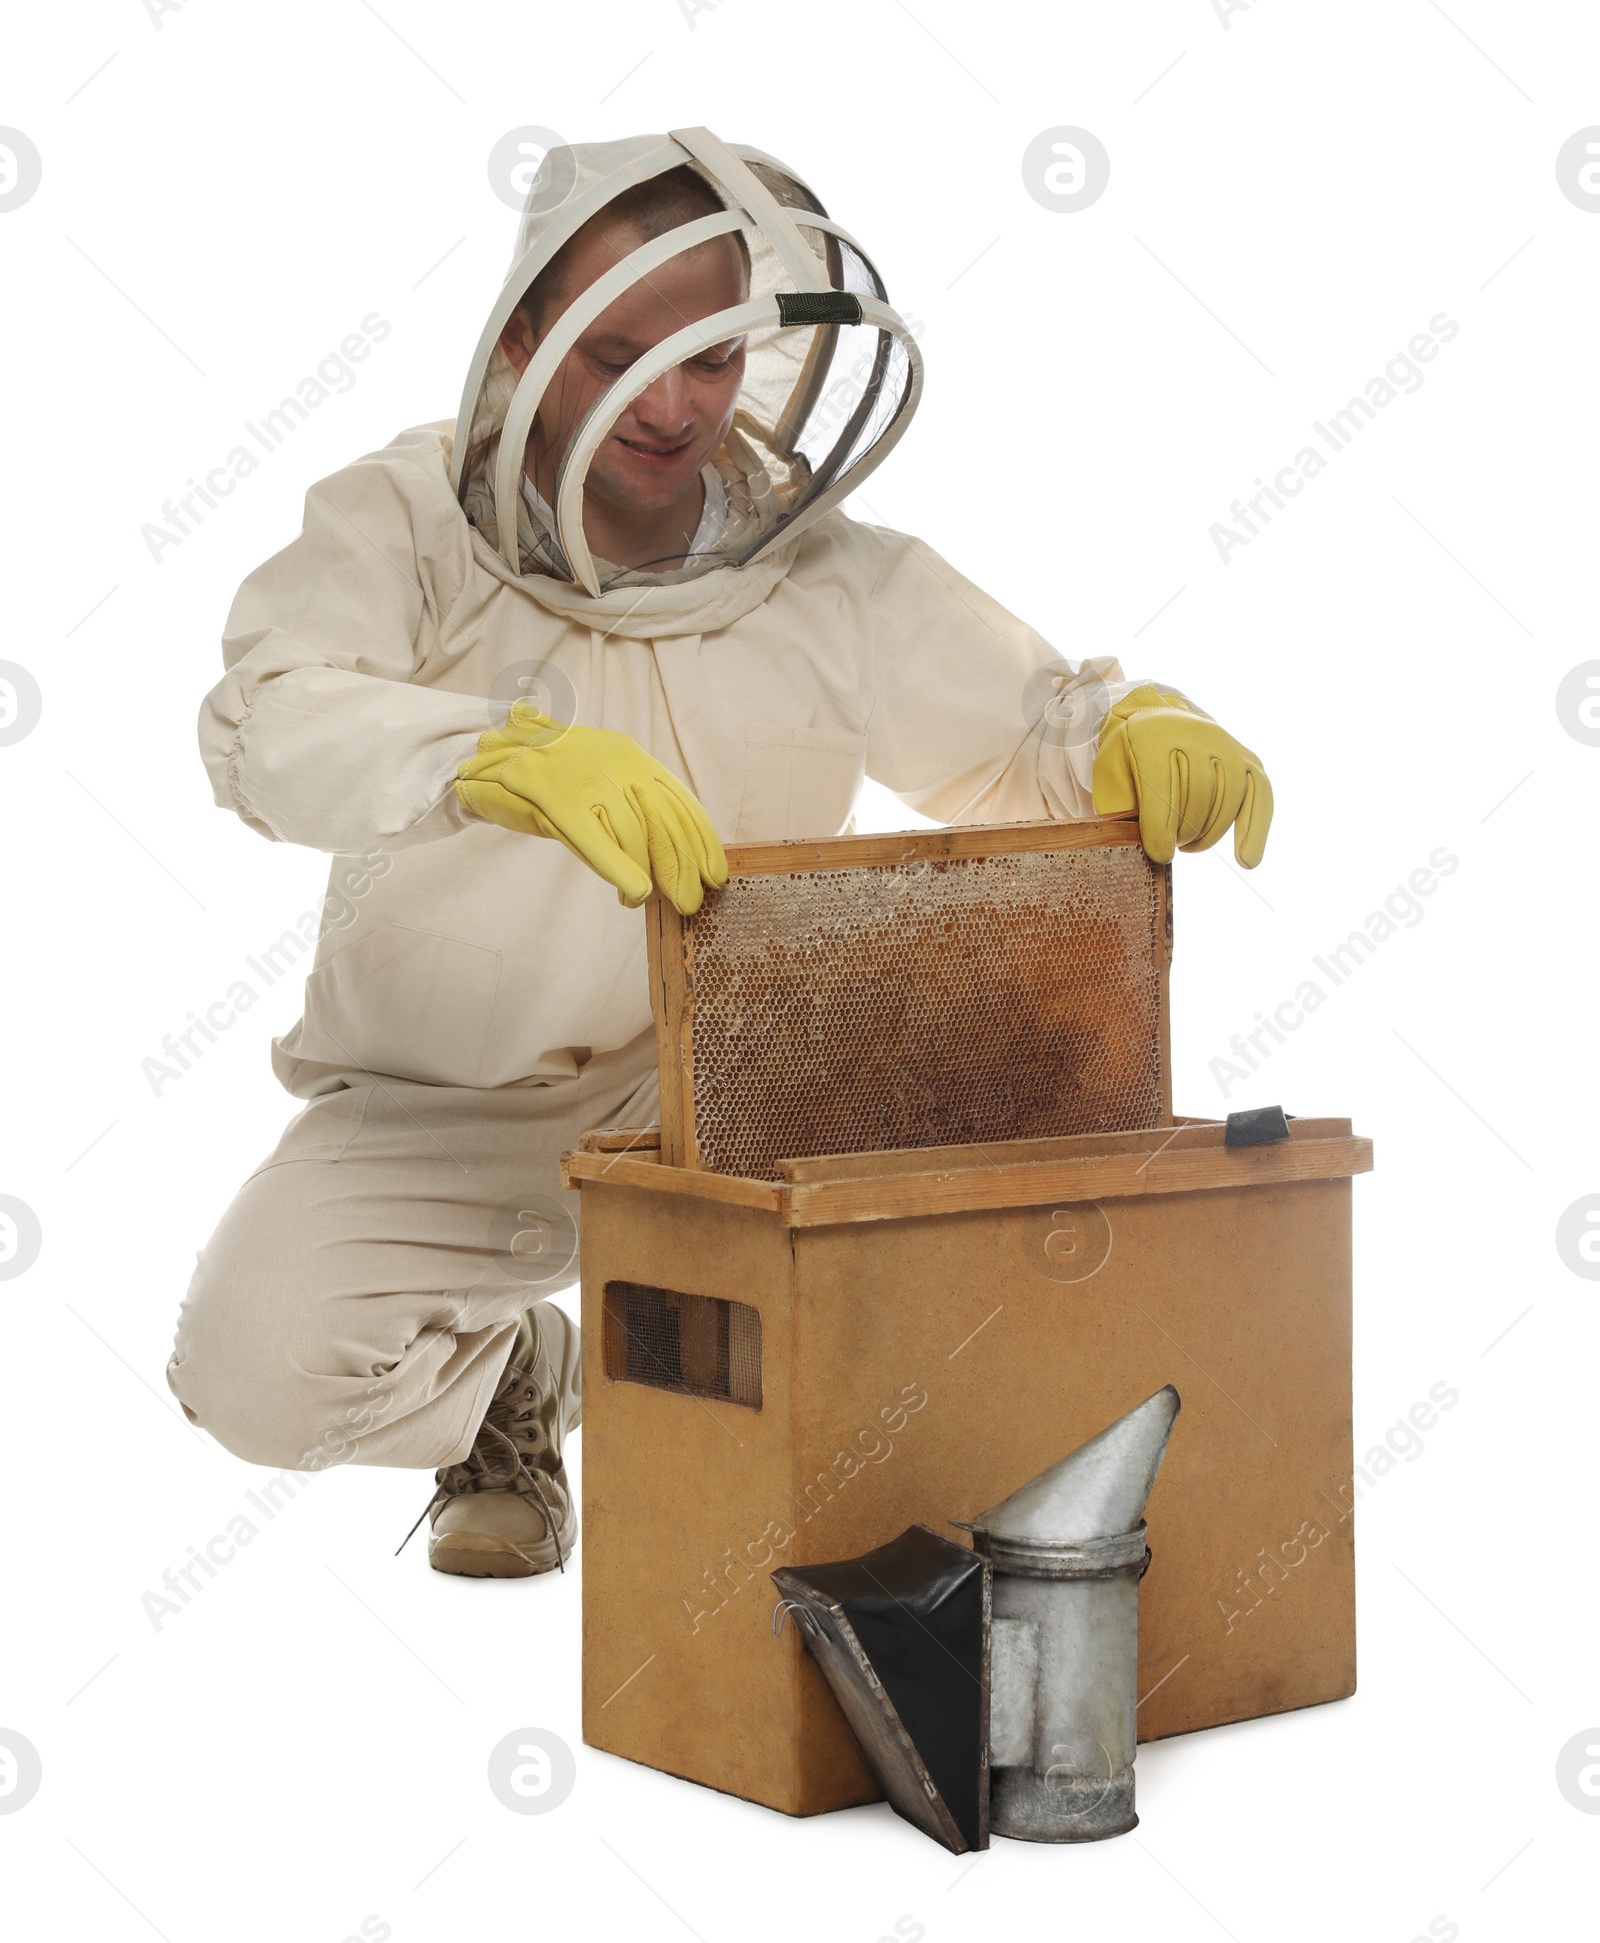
x: 608, y: 800
x: 1185, y: 775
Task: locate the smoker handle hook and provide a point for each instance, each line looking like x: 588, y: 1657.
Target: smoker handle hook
x: 803, y: 1619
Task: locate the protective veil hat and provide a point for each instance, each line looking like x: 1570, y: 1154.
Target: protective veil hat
x: 832, y: 374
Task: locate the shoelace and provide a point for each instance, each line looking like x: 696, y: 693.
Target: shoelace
x: 474, y: 1474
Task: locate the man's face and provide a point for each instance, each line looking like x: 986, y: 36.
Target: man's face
x: 651, y: 458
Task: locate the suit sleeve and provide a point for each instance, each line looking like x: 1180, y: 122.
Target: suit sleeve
x: 975, y: 717
x: 318, y: 734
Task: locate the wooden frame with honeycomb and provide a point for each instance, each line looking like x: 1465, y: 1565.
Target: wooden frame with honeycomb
x: 920, y: 988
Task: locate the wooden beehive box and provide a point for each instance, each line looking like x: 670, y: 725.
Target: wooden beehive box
x: 917, y: 989
x: 789, y: 1370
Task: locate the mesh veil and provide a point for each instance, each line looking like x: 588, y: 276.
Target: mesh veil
x: 831, y: 376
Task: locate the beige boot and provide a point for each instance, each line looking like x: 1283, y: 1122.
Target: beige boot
x: 506, y: 1511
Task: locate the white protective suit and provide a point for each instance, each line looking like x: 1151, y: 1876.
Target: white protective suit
x: 802, y: 651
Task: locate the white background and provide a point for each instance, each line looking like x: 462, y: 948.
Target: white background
x: 227, y: 192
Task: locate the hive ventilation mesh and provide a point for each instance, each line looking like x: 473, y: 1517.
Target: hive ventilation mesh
x: 697, y: 1344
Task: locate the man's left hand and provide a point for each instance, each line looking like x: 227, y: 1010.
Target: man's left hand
x: 1186, y: 776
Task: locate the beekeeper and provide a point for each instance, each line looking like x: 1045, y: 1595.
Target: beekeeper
x: 515, y: 671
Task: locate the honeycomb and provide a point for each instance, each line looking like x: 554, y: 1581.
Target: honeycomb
x: 909, y: 1005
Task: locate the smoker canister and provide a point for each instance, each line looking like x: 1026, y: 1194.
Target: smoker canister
x: 1068, y: 1551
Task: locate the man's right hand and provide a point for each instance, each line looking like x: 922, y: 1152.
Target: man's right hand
x: 607, y: 799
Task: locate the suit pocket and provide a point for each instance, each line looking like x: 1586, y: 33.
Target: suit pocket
x: 322, y: 1130
x: 798, y: 782
x: 402, y: 1001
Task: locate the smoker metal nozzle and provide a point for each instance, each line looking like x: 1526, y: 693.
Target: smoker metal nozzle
x: 1096, y: 1492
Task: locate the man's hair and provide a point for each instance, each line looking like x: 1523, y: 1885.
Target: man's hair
x: 651, y: 208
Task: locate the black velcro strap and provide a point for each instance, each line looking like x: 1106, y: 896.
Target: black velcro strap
x: 818, y: 307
